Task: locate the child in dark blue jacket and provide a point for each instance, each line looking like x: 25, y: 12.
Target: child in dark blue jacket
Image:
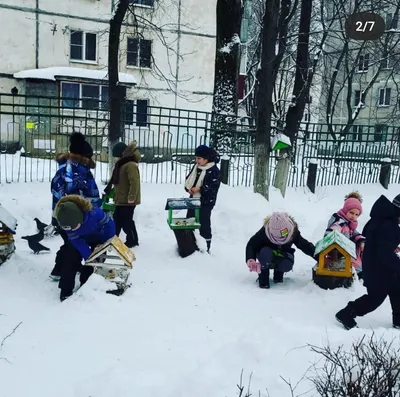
x: 85, y: 227
x: 203, y: 181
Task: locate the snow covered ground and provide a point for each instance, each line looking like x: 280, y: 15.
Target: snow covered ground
x: 187, y: 327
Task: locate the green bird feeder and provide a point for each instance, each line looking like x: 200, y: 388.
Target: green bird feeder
x: 108, y: 204
x: 175, y: 204
x: 279, y: 142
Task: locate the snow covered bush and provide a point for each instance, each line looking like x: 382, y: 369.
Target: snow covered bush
x: 369, y: 368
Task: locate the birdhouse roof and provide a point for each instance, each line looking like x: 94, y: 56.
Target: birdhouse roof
x: 116, y: 246
x: 341, y: 240
x: 182, y: 203
x: 8, y: 220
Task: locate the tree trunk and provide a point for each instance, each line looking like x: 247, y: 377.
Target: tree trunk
x: 264, y: 99
x: 301, y: 91
x: 227, y: 62
x: 115, y: 91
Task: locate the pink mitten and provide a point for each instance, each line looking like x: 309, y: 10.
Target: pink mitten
x: 254, y: 266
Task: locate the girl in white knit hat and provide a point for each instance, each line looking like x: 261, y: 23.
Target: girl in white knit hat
x: 271, y: 248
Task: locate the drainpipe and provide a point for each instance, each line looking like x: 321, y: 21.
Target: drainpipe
x: 178, y: 46
x: 37, y: 35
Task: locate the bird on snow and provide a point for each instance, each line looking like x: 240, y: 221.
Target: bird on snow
x: 33, y: 242
x: 40, y: 225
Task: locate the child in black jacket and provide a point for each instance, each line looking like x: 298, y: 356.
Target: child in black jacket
x: 272, y: 247
x: 381, y: 264
x: 204, y: 181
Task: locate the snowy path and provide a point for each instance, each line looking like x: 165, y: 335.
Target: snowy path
x: 187, y: 327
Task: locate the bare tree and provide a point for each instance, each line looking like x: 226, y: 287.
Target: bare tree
x: 116, y: 94
x: 229, y: 18
x: 264, y: 102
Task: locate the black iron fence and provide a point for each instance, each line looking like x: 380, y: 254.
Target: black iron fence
x: 33, y: 129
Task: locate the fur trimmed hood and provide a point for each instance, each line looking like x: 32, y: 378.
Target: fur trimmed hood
x: 83, y: 204
x: 296, y: 227
x: 77, y: 158
x: 132, y: 151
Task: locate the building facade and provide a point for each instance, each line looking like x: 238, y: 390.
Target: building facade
x: 59, y: 49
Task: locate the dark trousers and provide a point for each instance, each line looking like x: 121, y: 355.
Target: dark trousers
x: 205, y: 222
x: 373, y: 299
x: 269, y: 260
x: 57, y: 267
x: 123, y: 218
x: 69, y: 261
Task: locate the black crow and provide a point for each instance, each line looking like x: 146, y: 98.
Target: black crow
x: 33, y: 242
x: 40, y: 225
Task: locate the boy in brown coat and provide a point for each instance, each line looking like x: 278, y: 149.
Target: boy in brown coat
x: 126, y: 181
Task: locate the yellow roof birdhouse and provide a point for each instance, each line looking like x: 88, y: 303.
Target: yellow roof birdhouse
x: 335, y: 252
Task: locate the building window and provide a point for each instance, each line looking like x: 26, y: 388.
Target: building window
x: 357, y: 133
x: 309, y: 99
x: 83, y: 46
x: 85, y: 96
x: 307, y: 117
x: 384, y: 96
x: 138, y: 52
x: 358, y: 98
x: 149, y: 3
x: 363, y: 63
x: 392, y: 20
x: 380, y: 134
x: 386, y: 61
x: 137, y: 112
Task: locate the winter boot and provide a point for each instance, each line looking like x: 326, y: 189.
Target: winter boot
x: 396, y: 321
x: 278, y: 276
x: 54, y: 277
x: 64, y: 294
x: 208, y: 242
x: 346, y: 317
x: 263, y: 279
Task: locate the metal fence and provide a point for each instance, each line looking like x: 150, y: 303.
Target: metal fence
x: 33, y: 129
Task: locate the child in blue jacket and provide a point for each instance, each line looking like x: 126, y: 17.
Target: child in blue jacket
x: 74, y: 176
x: 204, y: 181
x: 86, y: 227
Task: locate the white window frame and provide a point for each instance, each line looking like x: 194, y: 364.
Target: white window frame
x: 384, y: 104
x: 84, y: 33
x: 101, y: 87
x: 363, y: 61
x: 134, y: 121
x: 360, y: 97
x: 138, y: 53
x: 358, y: 131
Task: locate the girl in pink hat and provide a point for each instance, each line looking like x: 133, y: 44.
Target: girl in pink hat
x: 345, y: 222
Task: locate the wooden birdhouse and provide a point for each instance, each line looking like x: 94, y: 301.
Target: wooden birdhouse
x: 175, y: 204
x: 113, y: 260
x: 279, y: 142
x: 335, y: 253
x: 8, y: 227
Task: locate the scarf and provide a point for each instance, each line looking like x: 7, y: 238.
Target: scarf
x: 115, y: 175
x: 191, y: 178
x: 352, y: 224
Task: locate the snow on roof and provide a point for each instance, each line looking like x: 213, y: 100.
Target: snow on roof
x: 338, y: 238
x: 7, y: 219
x: 63, y: 71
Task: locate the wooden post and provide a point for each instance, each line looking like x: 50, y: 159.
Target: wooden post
x: 224, y: 171
x: 312, y: 175
x: 384, y: 175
